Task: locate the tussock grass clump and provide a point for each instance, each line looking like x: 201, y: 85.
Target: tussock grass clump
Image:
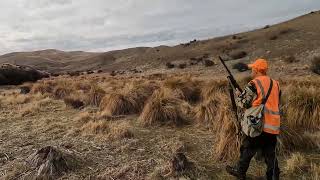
x: 61, y: 91
x: 302, y: 108
x: 107, y: 129
x: 129, y: 101
x: 315, y: 171
x: 296, y: 163
x: 83, y: 117
x: 95, y: 127
x: 84, y: 86
x: 15, y: 99
x: 95, y: 95
x: 120, y: 131
x: 73, y: 102
x: 225, y: 129
x: 31, y: 109
x: 161, y: 109
x: 212, y: 87
x: 205, y: 112
x: 190, y: 88
x: 292, y: 139
x: 43, y: 87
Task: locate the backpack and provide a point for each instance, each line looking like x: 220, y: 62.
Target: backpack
x: 252, y: 123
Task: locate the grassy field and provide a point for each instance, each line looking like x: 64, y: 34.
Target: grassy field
x: 135, y: 127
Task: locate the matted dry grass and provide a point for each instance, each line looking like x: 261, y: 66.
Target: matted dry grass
x: 164, y: 108
x: 129, y: 100
x: 296, y: 163
x: 302, y: 107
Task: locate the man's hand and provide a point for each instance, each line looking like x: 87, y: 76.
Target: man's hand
x: 237, y: 92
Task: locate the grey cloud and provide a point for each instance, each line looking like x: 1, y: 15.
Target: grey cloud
x: 108, y: 24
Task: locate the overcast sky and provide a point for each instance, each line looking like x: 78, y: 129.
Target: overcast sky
x: 101, y: 25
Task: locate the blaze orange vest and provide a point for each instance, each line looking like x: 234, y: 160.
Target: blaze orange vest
x: 272, y: 111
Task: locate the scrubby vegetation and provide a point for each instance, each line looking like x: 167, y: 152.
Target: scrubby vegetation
x: 315, y: 66
x: 128, y: 109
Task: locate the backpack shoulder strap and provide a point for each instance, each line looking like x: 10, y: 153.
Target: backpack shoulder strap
x: 264, y: 100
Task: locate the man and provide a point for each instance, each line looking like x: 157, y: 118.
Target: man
x: 252, y: 96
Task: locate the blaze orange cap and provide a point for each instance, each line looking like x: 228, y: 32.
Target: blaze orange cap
x: 259, y: 65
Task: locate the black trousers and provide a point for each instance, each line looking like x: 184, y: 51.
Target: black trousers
x: 266, y: 143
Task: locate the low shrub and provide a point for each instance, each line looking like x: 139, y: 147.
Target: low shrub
x: 169, y: 65
x: 237, y: 54
x: 208, y: 63
x: 182, y: 66
x: 315, y: 65
x: 241, y: 67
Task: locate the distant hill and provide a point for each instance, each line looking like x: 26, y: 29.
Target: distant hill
x: 294, y: 37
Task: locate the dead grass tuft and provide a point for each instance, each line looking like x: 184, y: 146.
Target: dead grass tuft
x: 129, y: 101
x: 205, y: 112
x: 315, y: 171
x: 189, y: 87
x: 162, y: 109
x: 95, y: 95
x: 83, y: 117
x: 74, y: 102
x: 302, y: 108
x: 95, y: 127
x: 120, y: 131
x: 296, y: 163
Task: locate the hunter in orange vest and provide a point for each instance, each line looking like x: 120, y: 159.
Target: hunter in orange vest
x: 252, y: 96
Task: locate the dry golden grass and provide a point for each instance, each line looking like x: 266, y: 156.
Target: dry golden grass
x: 205, y: 112
x: 95, y: 95
x: 296, y: 163
x: 15, y: 99
x: 302, y: 107
x: 212, y: 87
x: 163, y: 109
x: 62, y: 90
x: 33, y: 108
x: 129, y: 101
x: 315, y: 171
x: 292, y: 139
x: 83, y: 117
x: 107, y: 129
x: 190, y: 88
x: 95, y: 127
x: 120, y: 130
x: 225, y: 128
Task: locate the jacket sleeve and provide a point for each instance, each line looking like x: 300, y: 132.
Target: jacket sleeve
x: 249, y: 94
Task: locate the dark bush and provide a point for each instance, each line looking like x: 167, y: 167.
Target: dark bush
x: 208, y: 63
x: 90, y: 72
x: 273, y: 37
x: 266, y: 27
x: 113, y: 73
x: 25, y: 89
x: 182, y: 66
x: 241, y: 67
x: 315, y: 65
x: 15, y: 75
x: 169, y: 65
x: 290, y: 59
x: 75, y: 73
x: 285, y: 31
x: 73, y: 102
x: 205, y: 56
x: 238, y: 54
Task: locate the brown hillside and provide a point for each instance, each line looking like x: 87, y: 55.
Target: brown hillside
x: 299, y: 37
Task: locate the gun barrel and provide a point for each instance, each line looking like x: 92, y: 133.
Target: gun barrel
x: 224, y: 64
x: 230, y: 77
